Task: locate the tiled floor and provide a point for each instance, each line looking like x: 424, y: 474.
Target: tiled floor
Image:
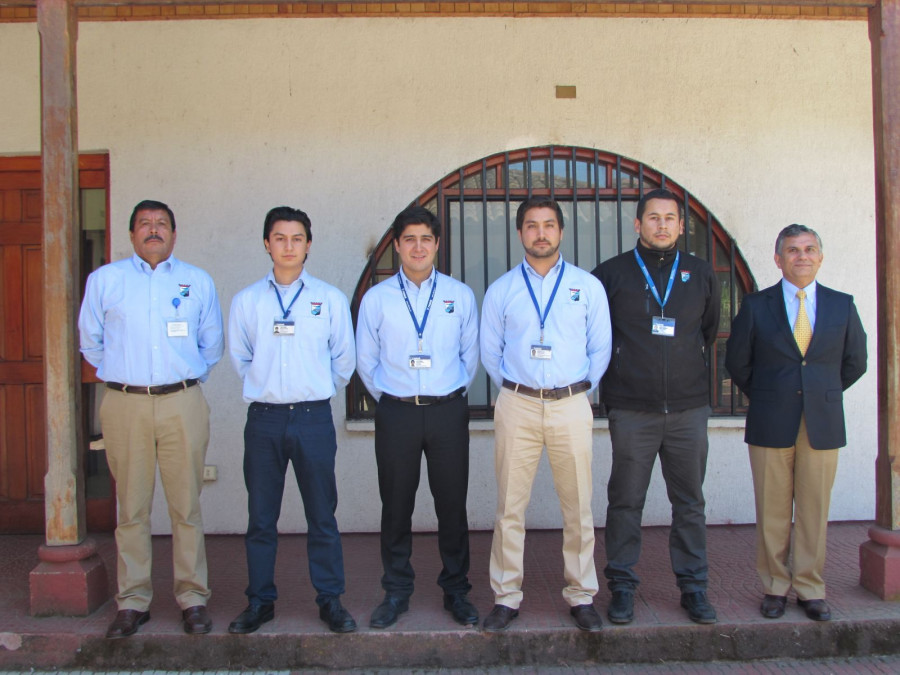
x: 733, y: 587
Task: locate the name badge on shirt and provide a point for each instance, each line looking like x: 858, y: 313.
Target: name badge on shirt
x: 663, y: 325
x: 177, y: 328
x: 542, y: 352
x: 419, y: 361
x: 283, y: 327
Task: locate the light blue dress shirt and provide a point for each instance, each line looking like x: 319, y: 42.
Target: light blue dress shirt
x: 792, y: 302
x: 125, y: 315
x: 310, y: 365
x: 386, y: 337
x: 577, y: 328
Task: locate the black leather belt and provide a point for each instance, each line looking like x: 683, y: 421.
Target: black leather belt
x: 155, y: 390
x: 260, y: 405
x: 548, y: 394
x: 425, y: 400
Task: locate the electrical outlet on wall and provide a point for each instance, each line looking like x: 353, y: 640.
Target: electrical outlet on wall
x: 210, y: 473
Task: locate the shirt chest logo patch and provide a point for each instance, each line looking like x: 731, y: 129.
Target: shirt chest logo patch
x: 685, y: 276
x: 575, y: 294
x: 184, y: 290
x: 449, y: 306
x: 315, y: 308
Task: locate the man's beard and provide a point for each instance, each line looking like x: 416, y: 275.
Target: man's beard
x: 542, y: 253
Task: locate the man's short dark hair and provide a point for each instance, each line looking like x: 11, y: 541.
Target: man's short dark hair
x: 659, y: 193
x: 150, y: 205
x: 289, y: 214
x: 539, y: 203
x: 415, y: 215
x: 795, y: 230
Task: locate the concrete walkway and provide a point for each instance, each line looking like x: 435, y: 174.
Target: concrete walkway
x: 427, y: 638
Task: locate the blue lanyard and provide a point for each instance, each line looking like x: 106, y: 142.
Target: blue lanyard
x: 286, y: 312
x: 420, y: 330
x: 543, y: 318
x: 662, y: 303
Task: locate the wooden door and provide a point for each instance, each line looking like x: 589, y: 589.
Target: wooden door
x: 23, y: 444
x: 23, y: 455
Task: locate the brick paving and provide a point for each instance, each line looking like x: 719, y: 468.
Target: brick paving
x: 542, y: 639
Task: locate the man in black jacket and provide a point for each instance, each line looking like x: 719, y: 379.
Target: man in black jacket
x: 664, y: 307
x: 794, y: 348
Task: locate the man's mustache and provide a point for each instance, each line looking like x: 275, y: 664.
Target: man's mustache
x: 154, y: 237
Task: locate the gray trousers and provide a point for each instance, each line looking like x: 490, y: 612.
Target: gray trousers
x: 680, y: 439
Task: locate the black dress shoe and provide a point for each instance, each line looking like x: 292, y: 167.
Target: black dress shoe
x: 463, y: 611
x: 621, y: 607
x: 772, y: 606
x: 252, y: 618
x: 337, y: 618
x: 698, y: 607
x: 126, y: 623
x: 586, y: 618
x: 499, y: 618
x: 387, y: 612
x: 817, y: 610
x: 196, y: 620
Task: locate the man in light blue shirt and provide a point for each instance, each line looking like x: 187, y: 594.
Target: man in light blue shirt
x: 417, y: 338
x: 545, y: 343
x: 291, y: 340
x: 152, y: 327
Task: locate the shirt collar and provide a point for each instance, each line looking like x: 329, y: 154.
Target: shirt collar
x: 790, y: 290
x: 270, y: 277
x: 555, y: 268
x: 143, y: 266
x: 408, y: 283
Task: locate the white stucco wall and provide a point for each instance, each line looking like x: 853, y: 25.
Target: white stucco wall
x: 766, y: 122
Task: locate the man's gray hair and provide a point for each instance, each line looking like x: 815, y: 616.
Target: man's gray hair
x: 795, y: 230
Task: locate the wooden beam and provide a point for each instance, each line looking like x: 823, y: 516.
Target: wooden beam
x: 63, y: 484
x: 884, y: 30
x: 562, y: 3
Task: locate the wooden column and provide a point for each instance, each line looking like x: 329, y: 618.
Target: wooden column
x: 71, y: 578
x: 880, y: 556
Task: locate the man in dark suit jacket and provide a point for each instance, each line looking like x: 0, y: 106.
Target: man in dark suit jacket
x: 794, y: 348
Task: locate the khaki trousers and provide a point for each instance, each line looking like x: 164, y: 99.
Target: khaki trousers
x: 799, y: 480
x: 141, y: 432
x: 523, y: 426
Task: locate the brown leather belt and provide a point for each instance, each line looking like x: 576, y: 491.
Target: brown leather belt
x: 548, y: 394
x: 155, y: 390
x: 425, y: 400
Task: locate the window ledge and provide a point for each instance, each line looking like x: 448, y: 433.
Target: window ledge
x: 478, y: 426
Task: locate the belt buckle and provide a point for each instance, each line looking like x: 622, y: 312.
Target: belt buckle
x: 417, y: 401
x: 541, y: 392
x: 150, y: 393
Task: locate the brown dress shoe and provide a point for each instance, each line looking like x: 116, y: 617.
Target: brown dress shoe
x: 586, y: 618
x: 772, y: 606
x: 196, y: 620
x: 126, y: 623
x: 499, y: 618
x: 817, y: 610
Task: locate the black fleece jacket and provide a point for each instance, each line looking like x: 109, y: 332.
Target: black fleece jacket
x: 651, y: 372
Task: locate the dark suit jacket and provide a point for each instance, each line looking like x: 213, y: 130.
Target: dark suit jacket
x: 765, y: 362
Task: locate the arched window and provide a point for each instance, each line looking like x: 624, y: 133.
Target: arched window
x: 598, y: 192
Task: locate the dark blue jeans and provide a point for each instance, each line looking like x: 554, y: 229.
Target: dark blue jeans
x: 302, y: 433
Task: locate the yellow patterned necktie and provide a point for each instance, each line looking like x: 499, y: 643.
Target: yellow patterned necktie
x: 802, y: 328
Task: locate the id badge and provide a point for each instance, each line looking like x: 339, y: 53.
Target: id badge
x: 663, y: 325
x: 419, y: 361
x: 542, y: 352
x: 177, y: 328
x: 283, y: 327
